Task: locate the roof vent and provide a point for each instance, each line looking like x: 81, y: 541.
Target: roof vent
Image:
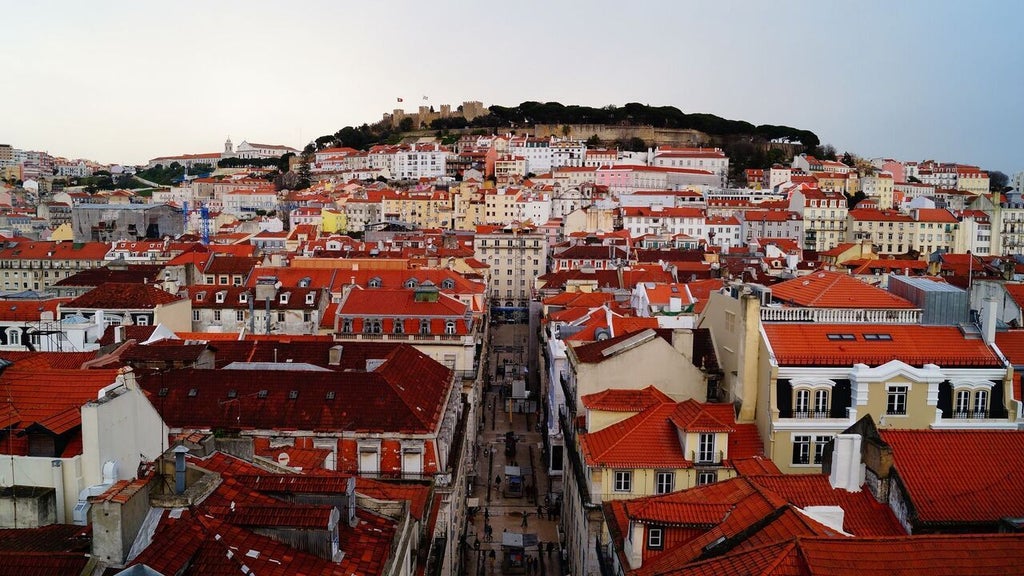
x: 330, y: 395
x: 193, y: 392
x: 232, y: 393
x: 261, y: 394
x: 293, y: 394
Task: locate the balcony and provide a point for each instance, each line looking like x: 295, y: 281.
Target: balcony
x: 840, y: 315
x: 410, y: 338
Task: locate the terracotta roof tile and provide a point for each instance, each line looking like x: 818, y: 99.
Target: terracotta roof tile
x: 966, y: 485
x: 407, y: 393
x: 114, y: 296
x: 825, y: 289
x: 806, y: 344
x: 622, y: 400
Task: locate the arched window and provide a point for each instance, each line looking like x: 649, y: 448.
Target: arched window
x: 14, y: 337
x: 449, y: 327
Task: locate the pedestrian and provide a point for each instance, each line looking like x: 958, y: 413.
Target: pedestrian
x: 551, y: 546
x: 551, y: 512
x: 497, y: 481
x: 487, y: 514
x: 540, y: 511
x: 525, y: 516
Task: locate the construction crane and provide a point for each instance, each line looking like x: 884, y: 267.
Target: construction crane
x: 204, y: 221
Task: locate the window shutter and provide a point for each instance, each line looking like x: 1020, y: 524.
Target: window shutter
x: 997, y: 404
x: 784, y: 398
x: 946, y: 399
x: 841, y: 397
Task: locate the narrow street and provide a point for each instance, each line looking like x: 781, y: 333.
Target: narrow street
x: 512, y: 487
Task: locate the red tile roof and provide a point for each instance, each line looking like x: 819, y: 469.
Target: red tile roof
x: 15, y: 563
x: 401, y: 302
x: 967, y: 484
x: 650, y: 439
x: 936, y: 555
x: 825, y: 289
x: 1016, y: 292
x: 806, y: 344
x: 46, y: 397
x: 621, y: 400
x: 114, y: 296
x: 407, y: 393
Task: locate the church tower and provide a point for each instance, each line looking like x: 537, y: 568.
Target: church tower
x: 229, y: 148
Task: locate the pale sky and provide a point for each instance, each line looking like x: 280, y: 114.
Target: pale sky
x: 127, y: 81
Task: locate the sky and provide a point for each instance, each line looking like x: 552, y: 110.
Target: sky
x: 123, y: 82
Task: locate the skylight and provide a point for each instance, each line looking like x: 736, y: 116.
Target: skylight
x: 841, y: 337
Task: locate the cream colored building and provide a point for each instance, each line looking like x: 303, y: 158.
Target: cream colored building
x: 880, y: 187
x: 803, y: 382
x: 516, y: 255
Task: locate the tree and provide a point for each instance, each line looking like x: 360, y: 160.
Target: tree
x: 406, y: 124
x: 593, y: 141
x: 828, y: 152
x: 997, y: 181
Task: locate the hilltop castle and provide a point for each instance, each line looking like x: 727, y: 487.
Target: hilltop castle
x: 426, y: 115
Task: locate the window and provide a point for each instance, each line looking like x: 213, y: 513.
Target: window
x: 280, y: 317
x: 449, y: 327
x: 399, y: 326
x: 424, y: 326
x: 346, y: 325
x: 371, y: 326
x: 195, y: 315
x: 819, y: 447
x: 663, y: 482
x: 623, y: 481
x: 706, y: 448
x: 801, y: 450
x: 142, y: 320
x: 707, y: 477
x: 963, y: 403
x: 801, y: 402
x: 239, y: 315
x: 216, y: 315
x: 896, y: 401
x: 980, y: 403
x: 654, y: 538
x: 821, y: 403
x: 369, y: 463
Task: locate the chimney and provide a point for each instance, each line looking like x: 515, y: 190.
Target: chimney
x: 847, y: 469
x: 334, y: 355
x: 179, y: 469
x: 989, y: 313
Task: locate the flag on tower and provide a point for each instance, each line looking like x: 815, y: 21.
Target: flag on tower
x: 399, y: 99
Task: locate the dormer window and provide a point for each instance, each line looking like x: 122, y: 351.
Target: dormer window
x: 243, y: 297
x: 310, y: 297
x: 448, y: 284
x: 374, y: 282
x: 449, y: 327
x: 424, y: 326
x: 200, y: 296
x: 399, y: 326
x: 284, y: 297
x: 346, y: 325
x: 411, y: 283
x: 220, y: 297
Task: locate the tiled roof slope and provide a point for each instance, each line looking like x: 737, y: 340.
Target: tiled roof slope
x: 806, y: 344
x: 936, y: 555
x: 405, y: 394
x: 621, y: 400
x: 134, y: 274
x: 114, y: 296
x: 46, y: 397
x: 825, y: 289
x: 979, y: 478
x: 650, y: 439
